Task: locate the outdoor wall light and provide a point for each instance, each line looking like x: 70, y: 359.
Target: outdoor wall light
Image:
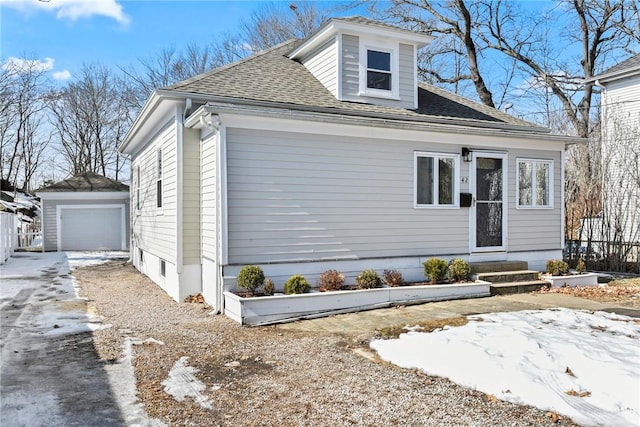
x: 466, y: 154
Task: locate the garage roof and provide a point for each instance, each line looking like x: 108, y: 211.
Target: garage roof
x: 88, y: 182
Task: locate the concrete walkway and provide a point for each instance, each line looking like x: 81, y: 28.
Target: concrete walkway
x: 367, y: 322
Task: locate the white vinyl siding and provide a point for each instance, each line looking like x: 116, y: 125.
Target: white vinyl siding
x: 407, y: 76
x: 620, y: 148
x: 191, y: 197
x: 534, y: 229
x: 154, y: 233
x: 209, y: 198
x: 323, y: 64
x: 350, y: 67
x: 295, y: 197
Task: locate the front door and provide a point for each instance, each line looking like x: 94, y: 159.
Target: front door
x: 488, y: 184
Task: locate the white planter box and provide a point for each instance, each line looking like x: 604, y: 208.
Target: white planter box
x: 585, y: 279
x: 282, y: 308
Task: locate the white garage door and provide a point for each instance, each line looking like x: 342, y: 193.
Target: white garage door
x: 83, y: 229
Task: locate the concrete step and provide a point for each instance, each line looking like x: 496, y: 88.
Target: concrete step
x: 493, y: 266
x: 517, y: 287
x: 508, y: 276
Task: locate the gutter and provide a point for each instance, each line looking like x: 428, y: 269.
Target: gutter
x: 455, y: 127
x: 291, y: 109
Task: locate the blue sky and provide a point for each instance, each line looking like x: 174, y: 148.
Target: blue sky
x: 64, y: 34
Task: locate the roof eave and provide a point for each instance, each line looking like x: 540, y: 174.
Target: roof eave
x: 599, y: 80
x: 150, y: 107
x: 433, y: 124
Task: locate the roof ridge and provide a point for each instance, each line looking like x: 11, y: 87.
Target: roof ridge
x: 228, y: 66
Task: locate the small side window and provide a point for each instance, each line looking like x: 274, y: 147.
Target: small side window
x: 163, y: 268
x: 138, y: 201
x: 535, y: 183
x: 159, y: 179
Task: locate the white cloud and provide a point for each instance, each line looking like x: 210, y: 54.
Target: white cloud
x: 19, y: 65
x: 73, y: 9
x: 62, y: 75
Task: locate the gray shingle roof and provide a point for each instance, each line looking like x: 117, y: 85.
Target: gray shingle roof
x: 85, y: 183
x: 270, y: 76
x: 633, y: 62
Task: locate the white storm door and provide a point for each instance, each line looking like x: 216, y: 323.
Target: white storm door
x: 488, y: 213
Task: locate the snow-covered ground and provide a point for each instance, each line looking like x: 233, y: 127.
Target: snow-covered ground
x: 576, y: 363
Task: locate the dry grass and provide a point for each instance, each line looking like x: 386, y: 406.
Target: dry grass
x: 425, y: 326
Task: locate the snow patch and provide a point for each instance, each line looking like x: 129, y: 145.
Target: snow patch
x: 182, y: 383
x: 537, y: 357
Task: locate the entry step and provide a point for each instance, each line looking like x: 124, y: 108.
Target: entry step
x: 493, y: 266
x: 508, y: 276
x: 517, y: 287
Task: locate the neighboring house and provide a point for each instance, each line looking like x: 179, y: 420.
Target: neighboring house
x: 620, y: 127
x: 327, y: 153
x: 85, y: 212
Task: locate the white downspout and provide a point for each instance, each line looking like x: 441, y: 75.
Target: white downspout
x: 180, y: 190
x: 224, y: 236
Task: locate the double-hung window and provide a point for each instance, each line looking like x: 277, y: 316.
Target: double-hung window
x: 159, y: 179
x: 535, y: 183
x: 436, y: 180
x: 378, y: 70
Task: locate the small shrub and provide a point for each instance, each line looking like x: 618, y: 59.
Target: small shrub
x: 557, y: 267
x: 393, y: 278
x: 296, y: 284
x: 435, y: 269
x: 581, y: 267
x: 331, y: 280
x: 458, y: 270
x: 269, y: 287
x: 368, y: 279
x: 250, y: 277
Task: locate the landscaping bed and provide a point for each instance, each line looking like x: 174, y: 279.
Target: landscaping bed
x: 262, y: 310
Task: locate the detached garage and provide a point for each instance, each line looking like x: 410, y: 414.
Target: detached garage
x: 85, y: 213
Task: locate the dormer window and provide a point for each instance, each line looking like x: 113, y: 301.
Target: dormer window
x: 378, y: 70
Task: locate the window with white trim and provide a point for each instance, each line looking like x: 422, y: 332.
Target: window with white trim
x: 436, y: 180
x: 535, y: 183
x: 378, y: 70
x: 379, y: 65
x: 159, y: 179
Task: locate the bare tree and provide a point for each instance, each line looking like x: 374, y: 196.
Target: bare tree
x: 91, y: 117
x: 22, y: 142
x: 272, y: 24
x: 481, y: 35
x: 275, y: 23
x: 620, y: 231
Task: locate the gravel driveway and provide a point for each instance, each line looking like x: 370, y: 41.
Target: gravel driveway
x: 268, y: 376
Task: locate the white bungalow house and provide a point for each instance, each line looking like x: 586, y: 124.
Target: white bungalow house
x: 327, y: 153
x: 620, y: 127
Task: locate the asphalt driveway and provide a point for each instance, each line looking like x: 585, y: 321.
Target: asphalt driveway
x: 51, y: 374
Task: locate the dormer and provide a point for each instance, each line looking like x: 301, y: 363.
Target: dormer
x: 361, y: 60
